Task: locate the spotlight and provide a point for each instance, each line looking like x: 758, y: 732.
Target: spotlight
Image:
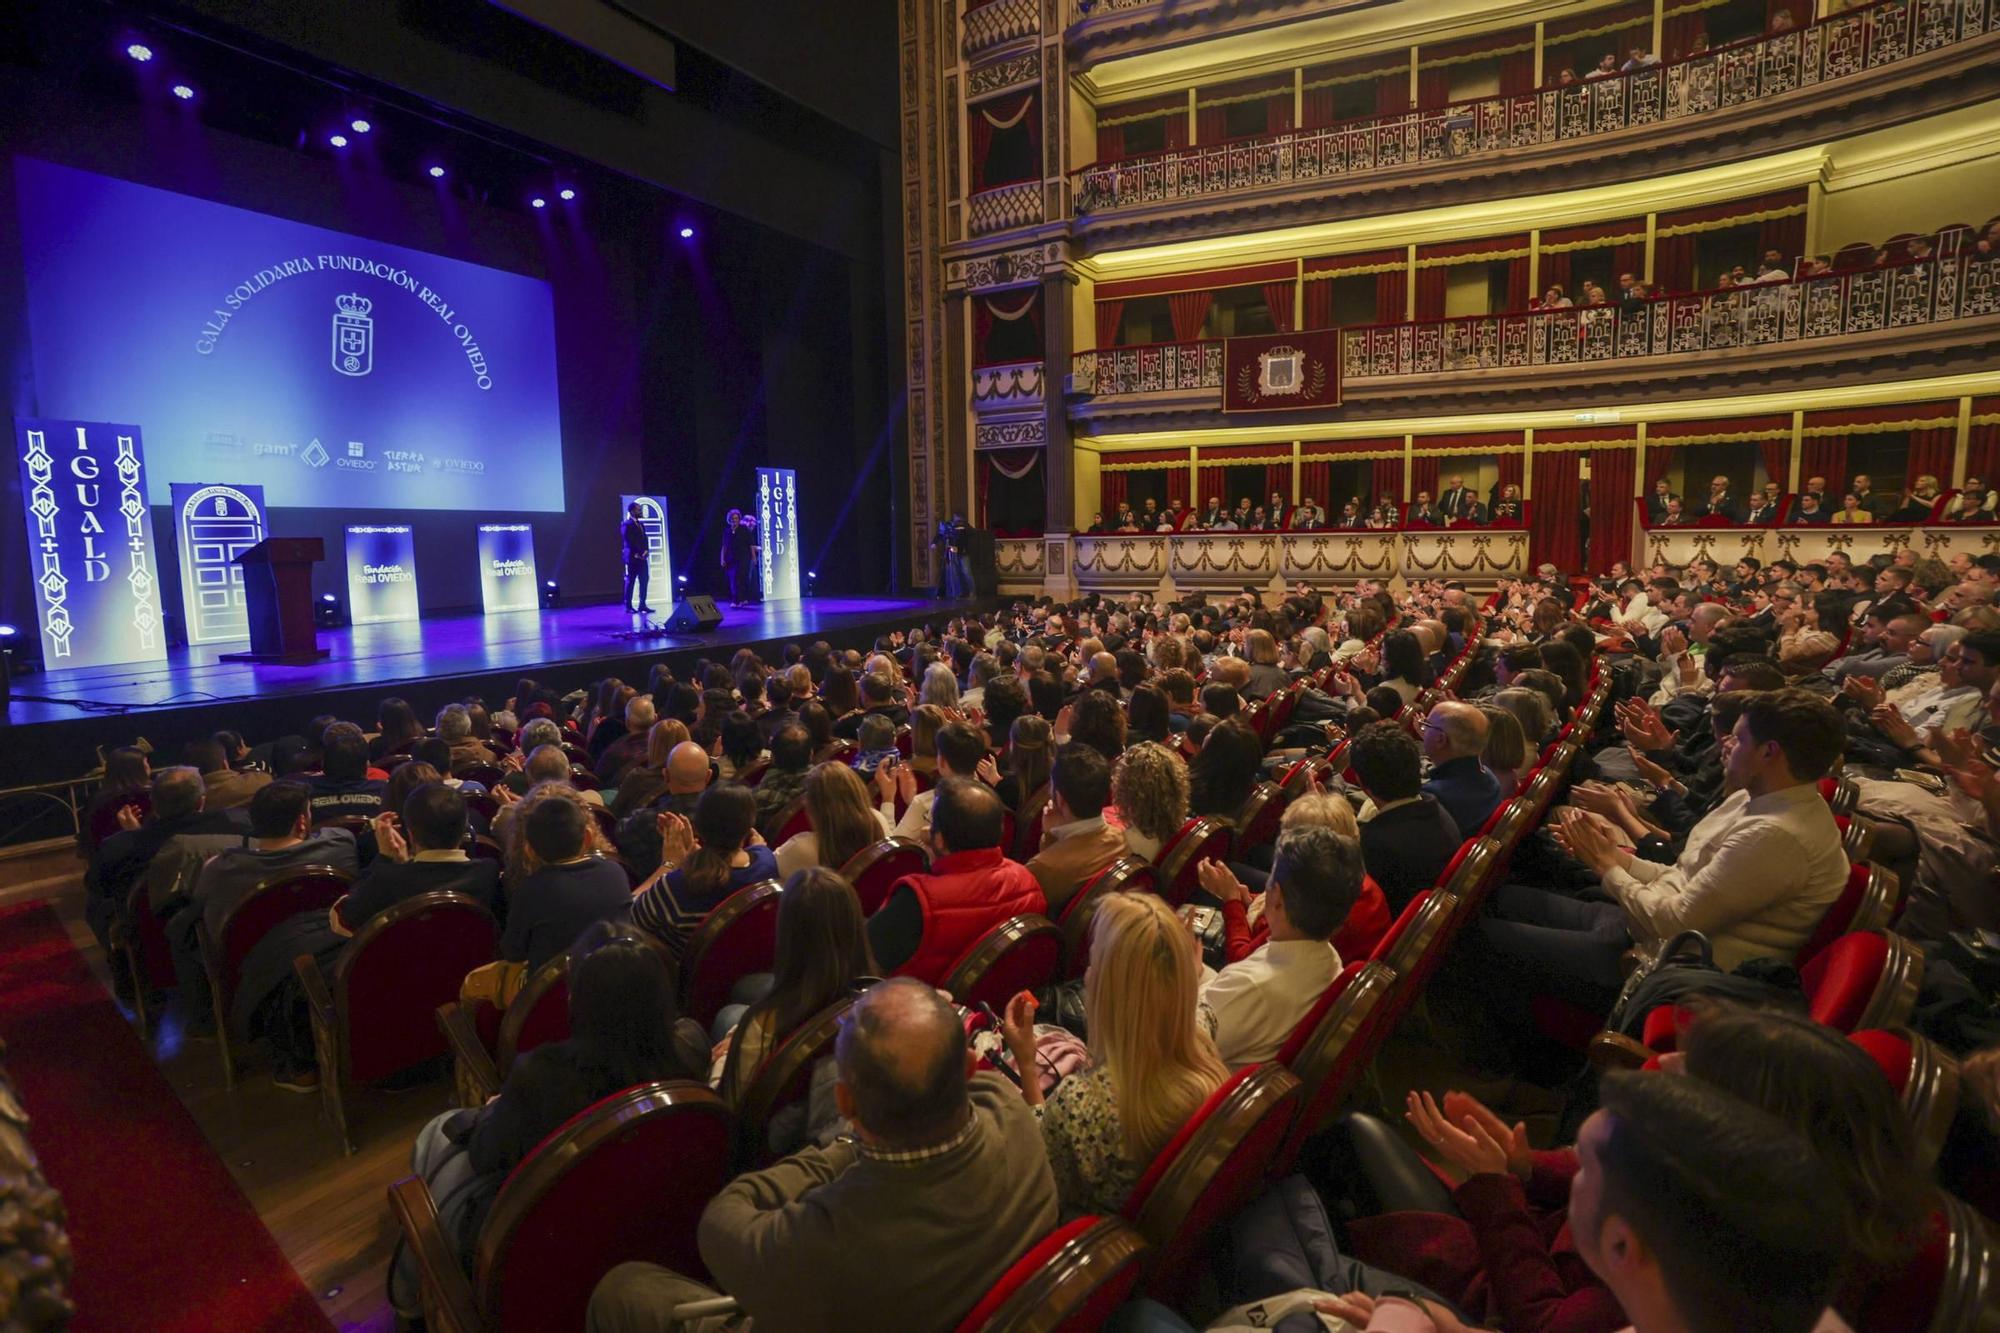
x: 140, y: 52
x: 539, y: 202
x: 359, y: 126
x: 327, y: 615
x: 182, y: 91
x: 566, y: 194
x: 437, y: 173
x: 337, y: 140
x: 687, y: 233
x: 680, y: 578
x: 551, y: 593
x: 8, y: 631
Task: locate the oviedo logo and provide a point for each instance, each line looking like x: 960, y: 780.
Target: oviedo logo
x: 353, y: 335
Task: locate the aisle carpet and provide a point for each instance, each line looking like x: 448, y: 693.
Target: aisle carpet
x: 163, y: 1239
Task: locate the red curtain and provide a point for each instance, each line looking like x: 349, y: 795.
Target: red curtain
x: 1517, y: 72
x: 1177, y: 485
x: 1278, y: 296
x: 1510, y: 466
x: 1392, y: 94
x: 1277, y: 479
x: 1555, y: 272
x: 1392, y: 296
x: 1930, y: 455
x: 1108, y: 315
x: 1982, y: 453
x: 1387, y: 479
x: 1678, y: 32
x: 1825, y: 456
x: 1628, y: 258
x: 1211, y: 123
x: 1431, y: 284
x: 1786, y: 235
x: 1316, y: 104
x: 1110, y: 143
x: 1190, y: 312
x: 978, y: 143
x: 1110, y: 494
x: 1777, y: 456
x: 1319, y: 304
x: 1611, y: 475
x: 1424, y: 476
x: 1315, y: 480
x: 1212, y: 483
x: 1659, y: 462
x: 1517, y: 283
x: 1433, y: 86
x: 1673, y: 262
x: 1555, y: 519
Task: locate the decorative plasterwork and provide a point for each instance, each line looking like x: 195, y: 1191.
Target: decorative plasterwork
x: 1012, y: 386
x: 999, y: 22
x: 1011, y: 434
x: 1019, y: 267
x: 1003, y: 74
x: 1006, y: 208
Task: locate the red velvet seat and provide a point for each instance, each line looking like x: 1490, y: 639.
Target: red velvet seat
x: 1257, y: 820
x: 1201, y: 837
x: 1124, y: 874
x: 607, y: 823
x: 1868, y: 979
x: 374, y: 1019
x: 1951, y: 1284
x: 485, y: 1040
x: 1926, y: 1082
x: 1204, y: 1175
x: 785, y: 1077
x: 625, y: 1180
x: 1869, y: 902
x: 488, y: 776
x: 790, y: 822
x: 874, y: 869
x: 754, y: 774
x: 1331, y: 1048
x: 139, y: 938
x: 1298, y: 779
x: 275, y: 900
x: 1021, y: 953
x: 739, y: 936
x: 1069, y: 1282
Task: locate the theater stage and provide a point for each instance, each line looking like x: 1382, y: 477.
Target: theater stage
x: 58, y: 718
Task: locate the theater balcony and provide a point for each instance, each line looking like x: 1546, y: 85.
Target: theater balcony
x: 1864, y: 69
x: 1101, y: 30
x: 1932, y: 317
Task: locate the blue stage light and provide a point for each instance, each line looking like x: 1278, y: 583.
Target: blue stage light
x: 337, y: 140
x: 687, y: 233
x: 140, y: 52
x: 567, y: 194
x: 539, y: 202
x: 551, y: 593
x: 182, y: 91
x: 359, y: 126
x: 437, y: 173
x: 8, y: 631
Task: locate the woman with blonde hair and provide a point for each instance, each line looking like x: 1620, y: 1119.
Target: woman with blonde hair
x: 843, y: 821
x: 1152, y: 1065
x: 925, y: 723
x: 1149, y: 789
x: 1506, y: 756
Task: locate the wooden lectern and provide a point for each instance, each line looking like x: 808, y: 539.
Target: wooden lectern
x: 277, y: 591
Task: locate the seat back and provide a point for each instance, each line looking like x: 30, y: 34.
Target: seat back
x: 1391, y: 949
x: 738, y: 936
x: 1868, y: 902
x: 1203, y: 836
x: 1125, y: 873
x: 624, y: 1180
x: 875, y: 868
x: 1207, y: 1172
x: 1867, y: 979
x: 280, y: 898
x: 1926, y: 1082
x: 1026, y: 838
x: 150, y: 949
x: 1021, y: 953
x: 1258, y: 819
x: 396, y: 971
x: 539, y: 1013
x: 785, y: 1077
x: 1299, y: 777
x: 1331, y: 1050
x: 791, y: 821
x: 486, y: 775
x: 1070, y: 1282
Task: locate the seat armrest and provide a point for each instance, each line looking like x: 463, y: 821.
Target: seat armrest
x: 318, y: 998
x: 1615, y: 1050
x: 449, y: 1305
x: 474, y: 1076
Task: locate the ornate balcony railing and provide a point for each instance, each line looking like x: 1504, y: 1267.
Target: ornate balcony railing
x: 1011, y: 384
x: 1005, y: 207
x: 992, y: 23
x: 1727, y: 77
x: 1832, y: 306
x: 1154, y: 368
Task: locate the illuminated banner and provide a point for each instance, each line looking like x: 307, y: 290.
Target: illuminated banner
x: 90, y: 543
x: 381, y: 573
x: 778, y: 532
x: 653, y: 514
x: 213, y: 524
x: 507, y: 567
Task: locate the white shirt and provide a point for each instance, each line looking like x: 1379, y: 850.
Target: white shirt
x: 1252, y: 1006
x: 1141, y: 845
x: 916, y: 821
x: 1756, y: 877
x: 1941, y: 707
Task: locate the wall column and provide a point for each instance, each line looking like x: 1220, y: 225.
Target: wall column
x: 1963, y: 444
x: 1058, y: 287
x: 957, y: 405
x: 1798, y: 452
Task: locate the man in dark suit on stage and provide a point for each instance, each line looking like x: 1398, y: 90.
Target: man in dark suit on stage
x: 739, y: 556
x: 638, y: 559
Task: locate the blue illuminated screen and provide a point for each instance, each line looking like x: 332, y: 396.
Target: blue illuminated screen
x: 333, y: 371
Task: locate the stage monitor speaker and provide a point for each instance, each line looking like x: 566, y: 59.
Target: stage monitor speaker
x: 694, y: 614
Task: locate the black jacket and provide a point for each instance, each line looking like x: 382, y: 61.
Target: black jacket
x: 1406, y: 848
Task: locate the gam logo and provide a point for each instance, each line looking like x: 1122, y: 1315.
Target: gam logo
x: 353, y: 335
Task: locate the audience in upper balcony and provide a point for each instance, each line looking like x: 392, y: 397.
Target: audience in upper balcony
x: 1807, y: 512
x: 1974, y: 503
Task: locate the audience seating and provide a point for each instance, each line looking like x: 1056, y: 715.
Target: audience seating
x: 1021, y: 953
x: 1070, y: 1282
x: 104, y: 820
x: 394, y: 973
x: 275, y: 900
x: 791, y: 821
x: 485, y: 1041
x: 139, y: 939
x: 1204, y: 1175
x: 738, y: 937
x: 1202, y: 837
x: 1257, y: 820
x: 625, y: 1180
x: 1024, y: 831
x: 874, y: 870
x: 1126, y: 873
x: 1298, y: 779
x: 1871, y: 900
x: 785, y: 1077
x: 1925, y: 1079
x: 1331, y: 1049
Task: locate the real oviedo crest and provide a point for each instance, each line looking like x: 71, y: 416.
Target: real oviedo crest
x: 353, y: 335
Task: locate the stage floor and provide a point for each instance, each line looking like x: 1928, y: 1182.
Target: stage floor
x: 431, y: 661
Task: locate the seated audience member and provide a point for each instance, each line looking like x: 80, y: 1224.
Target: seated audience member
x: 223, y: 788
x: 1225, y: 770
x: 1076, y: 842
x: 1851, y: 512
x: 1244, y: 926
x: 1973, y: 504
x: 688, y: 775
x: 1886, y: 639
x: 959, y: 752
x: 878, y: 699
x: 1407, y: 837
x: 931, y: 919
x: 876, y: 742
x: 785, y: 780
x: 1251, y: 1007
x: 1152, y: 1063
x: 624, y: 1030
x: 343, y: 788
x: 1454, y: 740
x: 454, y: 728
x: 701, y: 863
x: 1149, y: 789
x: 1507, y: 755
x: 821, y: 956
x: 944, y: 1184
x: 1030, y: 755
x: 420, y: 851
x: 178, y: 809
x: 629, y: 750
x: 1097, y: 719
x: 566, y: 886
x: 1918, y: 504
x: 1809, y: 512
x: 843, y: 821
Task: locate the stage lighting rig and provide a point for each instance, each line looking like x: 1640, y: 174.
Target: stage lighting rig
x: 437, y: 173
x: 139, y: 52
x: 182, y: 91
x: 551, y: 593
x: 337, y: 140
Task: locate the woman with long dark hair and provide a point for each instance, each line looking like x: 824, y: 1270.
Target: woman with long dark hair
x: 701, y: 863
x: 1149, y: 716
x: 1223, y: 772
x: 624, y: 1030
x: 1404, y: 668
x: 839, y: 691
x: 397, y: 728
x: 742, y: 744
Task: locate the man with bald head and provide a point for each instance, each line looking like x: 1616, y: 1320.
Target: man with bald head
x: 1454, y: 737
x: 688, y: 776
x: 944, y: 1184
